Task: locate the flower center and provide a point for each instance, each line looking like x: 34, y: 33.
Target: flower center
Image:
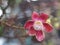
x: 38, y: 25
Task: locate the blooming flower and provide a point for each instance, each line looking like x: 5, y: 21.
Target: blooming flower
x: 38, y: 25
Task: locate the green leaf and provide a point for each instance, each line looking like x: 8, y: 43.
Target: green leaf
x: 1, y: 30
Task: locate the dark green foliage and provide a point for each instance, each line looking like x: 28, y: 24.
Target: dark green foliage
x: 1, y: 30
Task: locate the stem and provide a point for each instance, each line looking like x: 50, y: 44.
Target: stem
x: 13, y: 26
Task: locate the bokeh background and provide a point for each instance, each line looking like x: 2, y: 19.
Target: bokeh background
x: 16, y: 12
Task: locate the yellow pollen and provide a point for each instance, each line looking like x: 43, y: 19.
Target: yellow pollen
x: 37, y: 22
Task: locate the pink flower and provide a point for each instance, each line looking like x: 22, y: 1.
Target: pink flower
x: 38, y: 25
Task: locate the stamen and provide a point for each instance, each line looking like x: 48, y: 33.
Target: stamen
x: 38, y: 25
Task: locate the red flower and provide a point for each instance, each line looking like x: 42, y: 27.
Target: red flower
x: 38, y: 25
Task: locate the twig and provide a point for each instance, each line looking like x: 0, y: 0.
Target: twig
x: 13, y: 26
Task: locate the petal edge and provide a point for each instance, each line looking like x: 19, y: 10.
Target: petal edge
x: 40, y: 35
x: 48, y: 27
x: 28, y: 24
x: 35, y: 16
x: 32, y: 31
x: 43, y: 17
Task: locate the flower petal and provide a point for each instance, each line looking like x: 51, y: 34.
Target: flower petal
x: 43, y: 17
x: 32, y: 32
x: 28, y: 24
x: 40, y: 35
x: 48, y: 27
x: 35, y: 16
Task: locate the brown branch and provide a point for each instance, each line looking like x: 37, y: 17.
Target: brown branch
x: 13, y: 26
